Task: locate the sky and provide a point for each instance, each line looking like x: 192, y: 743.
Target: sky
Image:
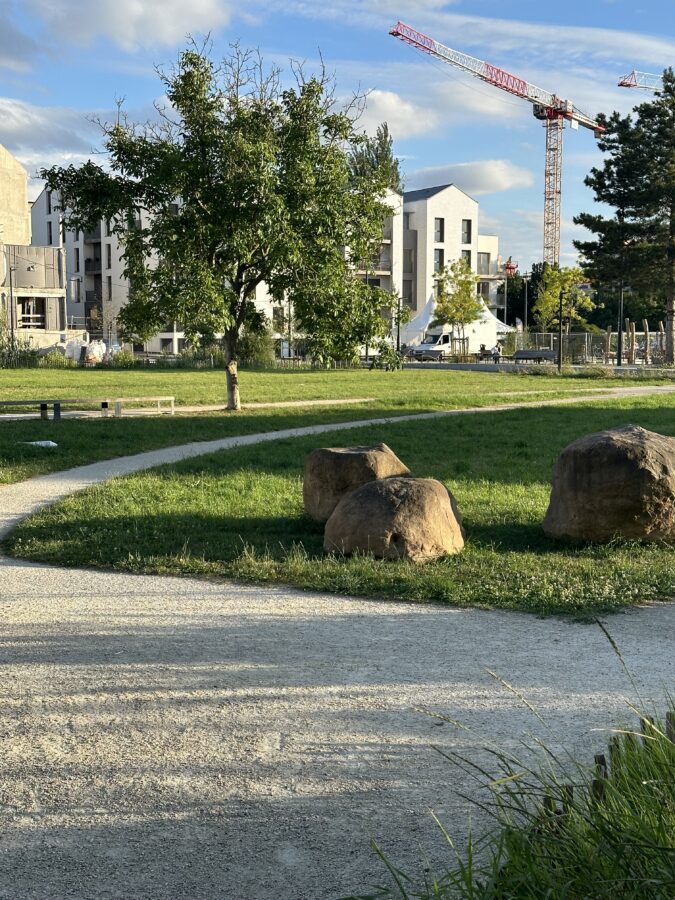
x: 66, y: 62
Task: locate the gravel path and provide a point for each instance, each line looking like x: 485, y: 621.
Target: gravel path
x: 175, y: 739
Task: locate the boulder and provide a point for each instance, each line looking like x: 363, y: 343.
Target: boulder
x: 616, y: 483
x: 332, y: 472
x: 397, y: 518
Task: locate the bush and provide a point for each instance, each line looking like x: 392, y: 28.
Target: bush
x: 123, y: 359
x: 256, y: 348
x: 56, y: 360
x: 388, y: 359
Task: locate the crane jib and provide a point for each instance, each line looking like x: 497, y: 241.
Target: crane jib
x: 505, y: 80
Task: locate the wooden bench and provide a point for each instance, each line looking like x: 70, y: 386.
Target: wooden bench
x: 106, y: 405
x: 537, y: 356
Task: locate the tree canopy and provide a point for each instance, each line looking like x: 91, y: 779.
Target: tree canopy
x: 635, y: 245
x: 376, y: 154
x: 457, y: 303
x: 242, y: 180
x: 560, y: 289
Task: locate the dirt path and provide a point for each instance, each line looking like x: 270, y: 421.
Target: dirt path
x: 174, y: 739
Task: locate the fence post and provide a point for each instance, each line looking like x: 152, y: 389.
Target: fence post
x: 44, y: 411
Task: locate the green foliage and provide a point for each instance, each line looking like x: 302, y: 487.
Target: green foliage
x: 566, y: 830
x: 636, y: 244
x: 457, y: 303
x: 256, y: 348
x: 242, y: 181
x: 372, y: 154
x: 559, y: 289
x: 56, y: 360
x: 388, y: 359
x: 123, y: 359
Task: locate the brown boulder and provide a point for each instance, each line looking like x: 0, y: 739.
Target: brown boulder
x: 616, y: 483
x: 332, y: 472
x: 397, y: 518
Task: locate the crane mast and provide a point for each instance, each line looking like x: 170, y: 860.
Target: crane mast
x: 547, y: 107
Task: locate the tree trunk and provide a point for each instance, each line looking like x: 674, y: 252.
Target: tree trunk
x: 233, y: 400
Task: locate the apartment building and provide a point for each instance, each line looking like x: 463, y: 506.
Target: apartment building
x: 427, y: 229
x: 32, y: 278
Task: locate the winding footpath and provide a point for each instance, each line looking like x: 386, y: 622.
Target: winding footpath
x: 178, y: 739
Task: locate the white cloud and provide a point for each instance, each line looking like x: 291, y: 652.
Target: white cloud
x: 25, y: 127
x: 404, y: 117
x: 488, y: 176
x: 132, y: 23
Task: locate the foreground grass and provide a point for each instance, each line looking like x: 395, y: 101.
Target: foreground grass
x: 568, y: 831
x: 239, y: 514
x: 84, y: 441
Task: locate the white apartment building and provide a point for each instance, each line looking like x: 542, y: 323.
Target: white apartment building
x: 440, y: 225
x: 427, y: 229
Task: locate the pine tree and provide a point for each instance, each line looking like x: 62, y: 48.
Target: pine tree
x: 636, y: 245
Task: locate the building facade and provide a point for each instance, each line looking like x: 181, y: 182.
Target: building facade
x: 427, y: 229
x: 32, y: 278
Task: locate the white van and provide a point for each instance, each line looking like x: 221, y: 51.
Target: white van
x: 436, y: 344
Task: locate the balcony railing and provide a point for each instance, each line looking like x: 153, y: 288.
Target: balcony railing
x: 35, y: 320
x: 91, y: 237
x: 92, y: 266
x: 380, y: 264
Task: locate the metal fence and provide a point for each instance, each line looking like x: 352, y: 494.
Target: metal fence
x: 583, y: 348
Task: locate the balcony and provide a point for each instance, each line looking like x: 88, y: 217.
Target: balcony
x: 379, y: 265
x: 34, y: 320
x: 93, y: 266
x: 91, y: 237
x: 92, y: 297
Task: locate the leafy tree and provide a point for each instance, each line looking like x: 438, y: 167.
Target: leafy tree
x: 561, y: 289
x: 457, y: 303
x: 373, y: 154
x: 636, y: 245
x: 243, y: 182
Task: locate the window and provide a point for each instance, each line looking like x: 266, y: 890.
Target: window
x: 63, y: 233
x: 439, y: 260
x: 483, y: 263
x: 483, y: 289
x: 466, y: 231
x: 174, y: 209
x: 439, y: 230
x: 77, y: 234
x: 48, y: 198
x: 108, y: 256
x: 408, y: 262
x: 108, y: 227
x: 466, y: 256
x: 407, y: 294
x: 437, y: 289
x: 77, y: 259
x: 406, y: 221
x: 50, y: 236
x: 109, y: 288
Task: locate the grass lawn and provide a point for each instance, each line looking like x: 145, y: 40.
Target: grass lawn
x: 239, y: 514
x: 84, y: 441
x: 431, y: 389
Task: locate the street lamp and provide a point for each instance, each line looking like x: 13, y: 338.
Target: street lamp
x: 510, y: 269
x: 526, y: 279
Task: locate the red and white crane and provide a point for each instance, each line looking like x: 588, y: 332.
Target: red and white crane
x: 546, y: 106
x: 645, y: 81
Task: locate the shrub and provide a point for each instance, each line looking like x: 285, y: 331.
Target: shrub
x: 56, y: 360
x: 256, y: 348
x: 123, y: 359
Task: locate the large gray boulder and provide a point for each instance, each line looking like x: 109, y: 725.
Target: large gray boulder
x: 397, y: 518
x: 332, y: 472
x: 616, y: 483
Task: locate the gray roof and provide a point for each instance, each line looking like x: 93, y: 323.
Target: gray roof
x: 425, y: 193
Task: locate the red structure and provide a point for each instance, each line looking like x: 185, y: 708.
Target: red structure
x: 546, y: 106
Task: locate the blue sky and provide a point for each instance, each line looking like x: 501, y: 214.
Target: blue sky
x: 62, y: 61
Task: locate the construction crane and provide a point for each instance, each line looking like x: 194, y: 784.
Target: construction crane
x: 642, y: 80
x: 546, y: 106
